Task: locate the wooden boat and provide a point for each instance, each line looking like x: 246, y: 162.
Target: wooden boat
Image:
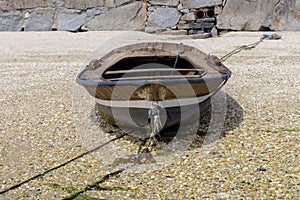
x: 129, y: 80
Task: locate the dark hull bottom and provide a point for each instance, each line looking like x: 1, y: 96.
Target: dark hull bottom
x: 137, y: 118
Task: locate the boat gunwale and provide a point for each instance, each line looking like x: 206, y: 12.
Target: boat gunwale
x: 103, y: 82
x: 137, y: 82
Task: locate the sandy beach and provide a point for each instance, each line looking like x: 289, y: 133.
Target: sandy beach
x: 257, y: 156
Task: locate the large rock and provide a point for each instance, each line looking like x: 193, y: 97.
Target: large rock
x: 260, y: 15
x: 91, y: 13
x: 164, y: 17
x: 11, y: 21
x: 200, y: 3
x: 70, y: 19
x: 164, y: 2
x: 128, y: 17
x: 285, y: 16
x: 41, y: 19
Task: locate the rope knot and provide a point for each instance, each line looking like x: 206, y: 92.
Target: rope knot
x: 154, y: 118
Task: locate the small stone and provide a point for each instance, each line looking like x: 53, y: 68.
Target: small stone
x: 151, y: 8
x: 218, y: 10
x: 192, y: 32
x: 214, y: 32
x: 180, y: 7
x: 261, y: 169
x: 188, y: 17
x: 185, y: 11
x: 26, y: 15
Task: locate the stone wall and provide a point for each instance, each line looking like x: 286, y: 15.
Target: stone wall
x: 180, y: 16
x: 72, y: 15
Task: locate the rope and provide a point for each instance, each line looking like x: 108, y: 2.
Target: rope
x: 177, y: 56
x: 94, y: 185
x: 61, y: 165
x: 243, y: 47
x: 269, y: 35
x: 155, y: 122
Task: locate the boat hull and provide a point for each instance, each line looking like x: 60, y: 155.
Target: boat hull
x: 137, y: 117
x: 128, y: 81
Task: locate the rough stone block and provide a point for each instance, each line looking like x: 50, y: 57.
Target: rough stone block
x: 154, y: 29
x: 260, y: 15
x: 192, y: 32
x: 173, y: 32
x: 151, y: 8
x: 285, y: 16
x: 185, y: 11
x: 164, y: 17
x: 92, y: 13
x: 11, y: 21
x: 164, y: 2
x: 70, y: 19
x: 245, y: 15
x: 85, y: 4
x: 206, y: 20
x: 200, y: 3
x: 188, y: 17
x: 41, y: 19
x: 195, y: 25
x: 128, y: 17
x: 218, y: 10
x: 180, y: 7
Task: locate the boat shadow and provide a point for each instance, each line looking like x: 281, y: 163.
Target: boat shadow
x: 203, y: 130
x: 229, y: 119
x: 232, y: 119
x: 234, y: 115
x: 192, y: 136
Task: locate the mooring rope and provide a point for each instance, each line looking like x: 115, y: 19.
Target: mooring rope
x: 155, y: 122
x: 177, y: 55
x: 61, y: 165
x: 269, y: 35
x: 93, y: 186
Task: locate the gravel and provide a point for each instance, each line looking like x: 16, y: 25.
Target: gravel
x: 257, y: 156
